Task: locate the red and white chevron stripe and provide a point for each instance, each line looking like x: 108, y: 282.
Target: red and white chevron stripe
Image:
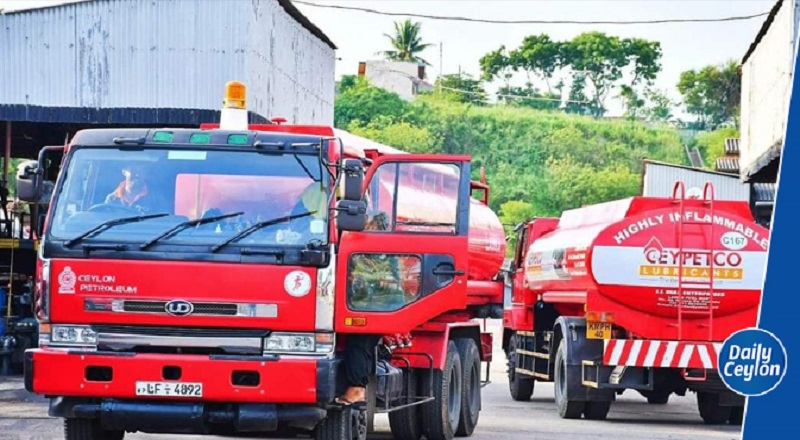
x: 664, y: 354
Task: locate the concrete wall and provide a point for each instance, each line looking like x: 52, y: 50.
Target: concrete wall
x: 766, y: 84
x: 166, y: 54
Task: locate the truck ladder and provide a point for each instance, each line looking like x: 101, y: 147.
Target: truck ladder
x: 707, y: 232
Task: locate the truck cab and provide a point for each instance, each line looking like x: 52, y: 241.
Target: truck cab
x: 206, y: 281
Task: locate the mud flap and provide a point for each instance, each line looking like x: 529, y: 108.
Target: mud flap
x: 580, y: 349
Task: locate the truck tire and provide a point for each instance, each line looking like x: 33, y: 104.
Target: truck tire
x: 710, y: 409
x: 406, y: 424
x: 596, y: 410
x: 520, y: 387
x: 440, y: 416
x: 89, y: 429
x: 567, y: 409
x: 343, y: 423
x: 470, y: 388
x: 737, y: 415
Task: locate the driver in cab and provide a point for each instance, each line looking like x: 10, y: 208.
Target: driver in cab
x: 132, y: 192
x: 313, y: 200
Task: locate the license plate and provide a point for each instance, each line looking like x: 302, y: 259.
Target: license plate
x: 169, y: 389
x: 598, y: 330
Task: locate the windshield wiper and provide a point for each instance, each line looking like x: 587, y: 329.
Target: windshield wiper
x: 181, y: 226
x: 110, y: 223
x: 260, y: 225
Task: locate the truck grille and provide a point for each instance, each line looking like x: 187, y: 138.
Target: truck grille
x: 218, y: 309
x: 179, y: 340
x: 191, y: 332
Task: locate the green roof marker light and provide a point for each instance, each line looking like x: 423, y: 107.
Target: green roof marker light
x: 200, y: 138
x: 162, y: 136
x: 237, y: 139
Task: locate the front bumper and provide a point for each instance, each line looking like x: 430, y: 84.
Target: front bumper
x: 280, y: 379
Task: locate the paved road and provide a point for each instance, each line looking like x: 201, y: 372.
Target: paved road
x: 23, y: 416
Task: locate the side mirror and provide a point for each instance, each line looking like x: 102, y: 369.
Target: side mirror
x: 29, y: 183
x: 351, y: 215
x: 352, y: 180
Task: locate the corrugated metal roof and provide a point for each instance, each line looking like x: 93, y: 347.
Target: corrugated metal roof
x: 728, y: 165
x: 285, y: 4
x: 732, y: 146
x: 659, y: 179
x: 116, y: 54
x: 764, y: 192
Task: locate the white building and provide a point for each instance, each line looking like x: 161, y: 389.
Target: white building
x: 404, y: 78
x: 767, y: 72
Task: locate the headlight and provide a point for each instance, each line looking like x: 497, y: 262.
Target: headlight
x: 72, y: 335
x: 299, y: 343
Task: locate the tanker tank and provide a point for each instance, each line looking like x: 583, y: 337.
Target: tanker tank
x: 625, y: 258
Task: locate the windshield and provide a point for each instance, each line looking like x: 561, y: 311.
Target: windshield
x: 171, y: 187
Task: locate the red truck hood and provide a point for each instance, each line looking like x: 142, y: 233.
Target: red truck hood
x: 221, y: 295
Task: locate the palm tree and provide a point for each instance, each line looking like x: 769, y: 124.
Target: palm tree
x: 406, y: 43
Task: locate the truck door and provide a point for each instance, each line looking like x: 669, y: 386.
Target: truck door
x: 410, y: 264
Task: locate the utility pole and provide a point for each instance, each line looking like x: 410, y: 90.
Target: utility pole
x: 441, y: 68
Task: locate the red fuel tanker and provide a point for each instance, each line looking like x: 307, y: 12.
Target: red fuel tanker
x: 647, y: 290
x: 212, y: 279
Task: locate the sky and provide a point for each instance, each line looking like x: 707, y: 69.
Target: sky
x: 359, y: 36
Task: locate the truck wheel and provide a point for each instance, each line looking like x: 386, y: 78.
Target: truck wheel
x: 710, y: 410
x: 567, y: 409
x: 520, y: 387
x: 89, y: 429
x: 737, y: 415
x: 596, y: 410
x: 406, y: 423
x: 470, y: 388
x: 440, y: 417
x: 342, y: 424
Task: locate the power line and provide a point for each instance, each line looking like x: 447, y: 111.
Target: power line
x: 491, y: 21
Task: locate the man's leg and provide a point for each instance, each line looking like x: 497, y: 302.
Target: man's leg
x: 359, y: 360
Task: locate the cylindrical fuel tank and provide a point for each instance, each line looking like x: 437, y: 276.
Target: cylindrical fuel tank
x: 631, y: 254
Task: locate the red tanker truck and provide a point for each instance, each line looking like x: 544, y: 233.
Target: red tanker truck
x: 633, y: 294
x: 224, y: 304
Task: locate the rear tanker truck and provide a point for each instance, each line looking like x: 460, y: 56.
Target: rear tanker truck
x: 633, y: 294
x: 220, y: 298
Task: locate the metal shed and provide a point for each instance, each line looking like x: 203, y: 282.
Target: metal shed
x: 157, y: 63
x: 658, y: 179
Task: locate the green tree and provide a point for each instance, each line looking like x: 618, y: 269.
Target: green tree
x: 362, y: 102
x: 659, y: 106
x: 347, y: 82
x: 540, y: 56
x: 634, y: 104
x: 604, y: 59
x: 406, y: 43
x: 712, y: 94
x: 497, y: 65
x: 460, y: 88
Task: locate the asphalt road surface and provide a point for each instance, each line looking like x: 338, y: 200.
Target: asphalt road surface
x: 24, y: 417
